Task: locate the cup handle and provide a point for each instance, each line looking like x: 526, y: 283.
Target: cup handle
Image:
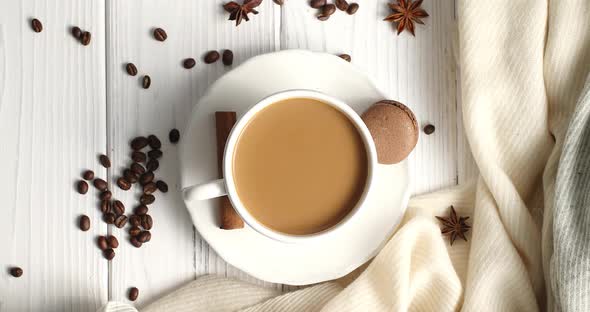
x: 205, y: 191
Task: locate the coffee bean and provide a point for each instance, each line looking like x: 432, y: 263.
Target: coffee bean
x: 323, y: 17
x: 146, y: 82
x: 160, y: 34
x: 82, y: 187
x: 131, y: 69
x: 102, y: 243
x: 162, y: 186
x: 106, y: 195
x: 352, y: 8
x: 133, y: 293
x: 146, y: 178
x: 227, y: 58
x: 135, y: 242
x: 36, y: 25
x: 342, y: 5
x: 137, y: 169
x: 140, y: 210
x: 100, y: 184
x: 138, y: 156
x: 152, y: 164
x: 113, y: 242
x: 84, y: 223
x: 189, y: 63
x: 134, y: 231
x: 76, y: 32
x: 134, y: 220
x: 105, y: 206
x: 109, y: 254
x: 328, y: 9
x: 429, y: 129
x: 279, y: 2
x: 144, y: 236
x: 211, y: 57
x: 120, y: 221
x: 130, y: 176
x: 150, y: 188
x: 155, y: 153
x: 16, y: 272
x: 345, y: 57
x: 123, y: 184
x: 118, y: 207
x: 85, y: 38
x: 316, y: 4
x: 174, y: 136
x: 105, y: 161
x: 109, y: 218
x: 154, y: 142
x: 147, y: 222
x: 88, y: 175
x: 138, y: 143
x: 147, y: 199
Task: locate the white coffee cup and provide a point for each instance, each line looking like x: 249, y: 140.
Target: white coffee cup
x: 226, y: 186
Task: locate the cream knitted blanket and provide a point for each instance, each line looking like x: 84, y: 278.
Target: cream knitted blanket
x: 523, y: 64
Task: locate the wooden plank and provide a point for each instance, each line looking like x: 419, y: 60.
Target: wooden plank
x: 175, y: 254
x: 52, y: 125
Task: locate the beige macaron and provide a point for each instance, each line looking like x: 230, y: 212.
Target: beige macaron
x: 394, y: 129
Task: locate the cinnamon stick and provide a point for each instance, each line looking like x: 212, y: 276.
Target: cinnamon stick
x: 224, y: 121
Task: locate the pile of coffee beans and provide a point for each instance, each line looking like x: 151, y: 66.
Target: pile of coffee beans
x: 81, y: 35
x: 327, y: 9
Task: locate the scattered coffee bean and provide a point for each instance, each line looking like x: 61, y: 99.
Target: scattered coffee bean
x: 144, y: 236
x: 156, y: 154
x: 146, y: 178
x: 113, y: 242
x: 154, y: 142
x: 133, y: 293
x: 88, y: 175
x: 342, y: 5
x: 147, y: 222
x: 134, y: 230
x: 85, y: 38
x: 102, y: 243
x: 135, y: 220
x: 120, y: 221
x: 174, y: 136
x: 189, y: 63
x: 211, y: 57
x: 16, y: 272
x: 138, y: 156
x: 137, y: 169
x: 352, y: 8
x: 152, y: 165
x: 123, y: 184
x: 279, y: 2
x: 100, y: 184
x: 140, y: 210
x: 135, y: 242
x: 162, y: 186
x: 138, y: 143
x: 118, y: 207
x: 345, y: 57
x: 160, y: 34
x: 82, y: 187
x: 429, y: 129
x: 328, y: 9
x: 316, y: 4
x: 228, y: 57
x: 146, y: 82
x: 323, y: 17
x: 105, y: 206
x: 36, y: 25
x: 105, y: 161
x: 106, y: 195
x: 76, y: 32
x: 109, y: 254
x: 84, y: 223
x: 131, y: 69
x: 150, y: 188
x: 109, y: 218
x: 130, y: 176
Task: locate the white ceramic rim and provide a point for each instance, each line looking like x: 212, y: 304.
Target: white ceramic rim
x: 245, y: 119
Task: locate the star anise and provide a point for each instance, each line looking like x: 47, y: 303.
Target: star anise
x: 453, y: 226
x: 240, y: 12
x: 405, y: 14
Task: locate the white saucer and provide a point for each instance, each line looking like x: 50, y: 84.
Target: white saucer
x: 261, y: 257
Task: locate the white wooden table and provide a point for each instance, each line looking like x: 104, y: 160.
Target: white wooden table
x: 62, y: 104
